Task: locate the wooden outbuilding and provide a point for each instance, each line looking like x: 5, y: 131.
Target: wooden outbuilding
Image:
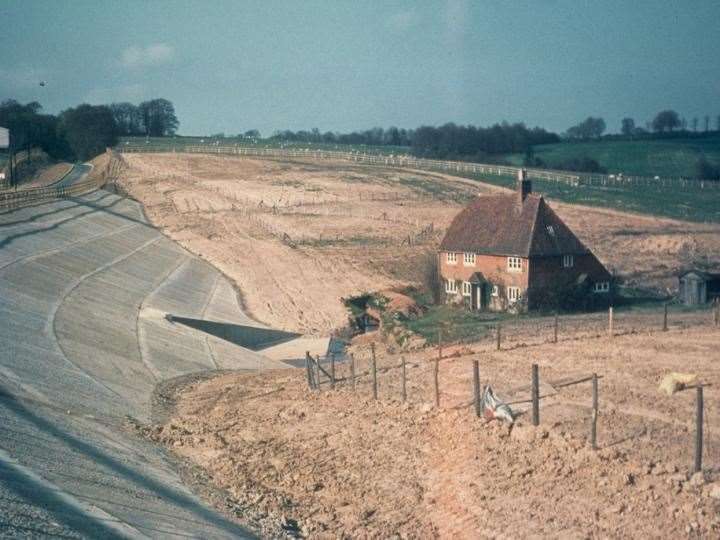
x: 698, y: 287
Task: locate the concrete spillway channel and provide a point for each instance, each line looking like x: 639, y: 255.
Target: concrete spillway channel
x: 85, y: 286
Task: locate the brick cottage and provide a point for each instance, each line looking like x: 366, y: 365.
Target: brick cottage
x: 513, y: 251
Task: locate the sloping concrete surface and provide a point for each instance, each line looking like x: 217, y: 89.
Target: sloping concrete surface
x: 84, y: 287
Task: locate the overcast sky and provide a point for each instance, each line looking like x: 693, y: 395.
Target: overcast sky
x: 344, y: 65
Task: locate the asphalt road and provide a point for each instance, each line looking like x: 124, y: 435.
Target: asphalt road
x: 77, y: 174
x: 85, y: 284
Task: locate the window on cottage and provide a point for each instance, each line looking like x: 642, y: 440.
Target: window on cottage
x: 568, y: 261
x: 601, y: 287
x: 514, y: 264
x: 513, y: 294
x: 550, y: 230
x: 451, y: 258
x: 451, y: 286
x: 466, y: 288
x: 469, y: 259
x: 495, y: 290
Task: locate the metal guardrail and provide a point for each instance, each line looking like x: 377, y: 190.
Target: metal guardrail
x: 570, y: 178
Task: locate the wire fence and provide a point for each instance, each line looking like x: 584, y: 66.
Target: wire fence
x: 521, y: 332
x: 24, y: 197
x: 451, y: 382
x: 574, y: 179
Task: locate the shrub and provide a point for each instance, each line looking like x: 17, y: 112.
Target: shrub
x: 706, y: 170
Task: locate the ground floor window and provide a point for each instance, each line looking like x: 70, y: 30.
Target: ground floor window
x: 495, y: 290
x: 467, y: 288
x: 513, y: 294
x: 451, y: 286
x: 601, y: 287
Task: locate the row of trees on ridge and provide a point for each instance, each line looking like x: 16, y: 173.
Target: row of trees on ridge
x: 84, y: 131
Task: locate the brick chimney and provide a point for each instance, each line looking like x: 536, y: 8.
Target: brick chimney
x: 524, y: 186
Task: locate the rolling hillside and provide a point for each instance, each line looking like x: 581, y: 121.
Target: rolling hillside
x: 670, y: 157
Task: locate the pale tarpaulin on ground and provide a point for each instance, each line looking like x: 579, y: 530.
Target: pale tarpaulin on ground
x: 4, y: 137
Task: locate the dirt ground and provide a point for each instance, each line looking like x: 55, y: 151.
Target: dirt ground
x: 297, y: 237
x: 339, y: 464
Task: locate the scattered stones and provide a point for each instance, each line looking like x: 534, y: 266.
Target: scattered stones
x: 697, y: 479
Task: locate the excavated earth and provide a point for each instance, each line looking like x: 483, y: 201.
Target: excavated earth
x: 337, y: 463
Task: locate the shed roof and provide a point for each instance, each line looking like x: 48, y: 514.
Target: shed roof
x: 501, y: 225
x: 705, y: 276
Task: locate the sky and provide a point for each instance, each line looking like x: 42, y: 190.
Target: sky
x: 233, y: 65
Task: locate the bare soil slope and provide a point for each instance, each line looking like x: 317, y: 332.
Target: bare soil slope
x: 297, y: 237
x: 343, y: 465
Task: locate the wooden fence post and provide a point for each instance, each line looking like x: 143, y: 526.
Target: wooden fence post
x: 436, y: 378
x: 535, y: 396
x: 352, y: 370
x: 699, y: 429
x: 404, y: 380
x: 555, y: 329
x: 332, y: 371
x: 317, y: 372
x: 610, y: 321
x: 665, y: 317
x: 593, y: 425
x: 439, y: 343
x: 498, y: 331
x: 374, y: 372
x: 476, y: 387
x: 308, y: 360
x: 717, y: 312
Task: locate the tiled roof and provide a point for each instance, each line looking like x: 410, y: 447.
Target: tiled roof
x: 500, y: 225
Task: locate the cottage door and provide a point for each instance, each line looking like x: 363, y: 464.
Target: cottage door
x: 477, y: 297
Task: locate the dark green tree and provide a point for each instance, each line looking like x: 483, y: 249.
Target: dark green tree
x: 667, y: 120
x: 88, y: 130
x: 590, y: 128
x: 158, y: 117
x: 628, y: 126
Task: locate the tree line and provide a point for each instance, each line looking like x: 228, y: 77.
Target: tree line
x: 666, y: 123
x: 449, y: 141
x: 82, y: 132
x: 376, y: 136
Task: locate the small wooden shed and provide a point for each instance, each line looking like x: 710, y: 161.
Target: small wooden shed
x: 698, y: 287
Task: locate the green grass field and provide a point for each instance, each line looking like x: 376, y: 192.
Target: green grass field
x: 158, y: 144
x: 689, y: 204
x: 670, y: 157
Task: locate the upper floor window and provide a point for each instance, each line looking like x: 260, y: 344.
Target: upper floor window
x: 467, y: 288
x: 469, y: 259
x: 451, y: 258
x: 451, y: 286
x: 514, y: 264
x: 568, y: 261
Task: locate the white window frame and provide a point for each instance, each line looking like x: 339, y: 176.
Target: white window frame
x: 568, y: 261
x: 514, y: 264
x: 466, y: 288
x: 451, y: 286
x: 451, y: 258
x: 513, y: 294
x: 601, y: 287
x: 468, y: 259
x: 495, y: 290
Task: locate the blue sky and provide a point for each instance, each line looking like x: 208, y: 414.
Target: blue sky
x: 344, y: 65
